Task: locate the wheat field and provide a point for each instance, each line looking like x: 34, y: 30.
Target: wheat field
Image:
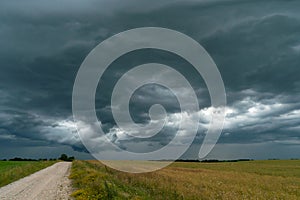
x: 190, y: 180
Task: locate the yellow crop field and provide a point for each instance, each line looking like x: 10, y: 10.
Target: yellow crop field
x: 278, y: 179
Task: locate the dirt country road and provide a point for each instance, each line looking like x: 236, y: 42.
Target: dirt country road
x: 51, y: 183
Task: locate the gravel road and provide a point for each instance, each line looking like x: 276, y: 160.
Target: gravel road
x: 51, y: 183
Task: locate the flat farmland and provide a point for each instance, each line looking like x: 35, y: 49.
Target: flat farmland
x: 278, y: 179
x: 11, y: 171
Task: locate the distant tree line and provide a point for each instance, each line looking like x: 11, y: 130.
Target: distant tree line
x: 214, y: 160
x: 63, y: 157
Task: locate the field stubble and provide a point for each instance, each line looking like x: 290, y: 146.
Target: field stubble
x: 239, y: 180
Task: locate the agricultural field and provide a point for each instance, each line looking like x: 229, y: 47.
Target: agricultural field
x: 184, y: 180
x: 11, y: 171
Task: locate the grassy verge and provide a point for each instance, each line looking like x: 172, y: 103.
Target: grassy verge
x: 242, y: 180
x: 95, y: 181
x: 11, y: 171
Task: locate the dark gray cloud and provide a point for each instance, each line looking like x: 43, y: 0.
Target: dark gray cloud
x: 255, y: 44
x: 259, y: 54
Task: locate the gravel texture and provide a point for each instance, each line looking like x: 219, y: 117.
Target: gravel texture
x: 51, y: 183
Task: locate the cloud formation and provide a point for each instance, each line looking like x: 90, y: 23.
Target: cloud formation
x: 255, y: 45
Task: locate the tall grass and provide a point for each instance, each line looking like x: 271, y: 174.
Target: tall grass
x: 95, y: 181
x: 11, y: 171
x: 249, y: 180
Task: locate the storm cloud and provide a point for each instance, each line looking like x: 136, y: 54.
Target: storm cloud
x: 255, y: 44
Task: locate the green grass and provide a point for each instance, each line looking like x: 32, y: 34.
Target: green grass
x: 239, y: 180
x: 11, y: 171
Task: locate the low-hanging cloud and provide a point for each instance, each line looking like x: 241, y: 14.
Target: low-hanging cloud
x: 255, y: 45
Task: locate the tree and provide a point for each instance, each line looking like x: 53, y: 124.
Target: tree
x: 71, y: 158
x: 63, y: 157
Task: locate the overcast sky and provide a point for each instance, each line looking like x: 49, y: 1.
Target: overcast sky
x: 255, y: 44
